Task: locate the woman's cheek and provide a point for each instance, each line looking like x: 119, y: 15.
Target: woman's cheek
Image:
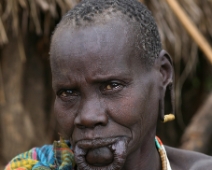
x: 127, y: 113
x: 64, y: 117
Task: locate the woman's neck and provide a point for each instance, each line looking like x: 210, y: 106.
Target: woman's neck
x: 147, y: 157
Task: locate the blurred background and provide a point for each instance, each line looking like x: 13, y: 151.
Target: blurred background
x: 26, y: 96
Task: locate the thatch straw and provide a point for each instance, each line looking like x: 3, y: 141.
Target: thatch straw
x: 172, y: 32
x: 191, y: 29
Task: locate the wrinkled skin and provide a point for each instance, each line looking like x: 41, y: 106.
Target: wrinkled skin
x: 107, y: 101
x: 104, y: 91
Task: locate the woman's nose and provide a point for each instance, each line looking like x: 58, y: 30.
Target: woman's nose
x: 91, y: 114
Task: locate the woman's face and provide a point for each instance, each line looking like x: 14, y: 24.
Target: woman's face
x: 106, y: 100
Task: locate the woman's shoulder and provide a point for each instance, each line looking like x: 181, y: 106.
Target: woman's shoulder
x: 189, y: 160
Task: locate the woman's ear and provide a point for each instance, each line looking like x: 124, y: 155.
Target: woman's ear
x: 166, y: 83
x: 166, y: 68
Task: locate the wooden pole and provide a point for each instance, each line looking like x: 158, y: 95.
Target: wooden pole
x: 191, y: 28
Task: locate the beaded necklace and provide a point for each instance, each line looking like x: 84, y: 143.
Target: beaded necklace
x: 163, y: 156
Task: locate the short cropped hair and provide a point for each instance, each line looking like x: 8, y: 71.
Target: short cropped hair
x: 149, y: 39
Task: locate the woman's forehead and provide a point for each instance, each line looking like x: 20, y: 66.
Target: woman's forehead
x: 109, y: 35
x: 109, y: 46
x: 114, y: 23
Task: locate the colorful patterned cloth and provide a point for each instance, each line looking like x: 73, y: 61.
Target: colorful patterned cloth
x: 58, y: 156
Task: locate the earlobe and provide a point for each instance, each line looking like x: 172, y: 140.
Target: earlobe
x: 167, y: 72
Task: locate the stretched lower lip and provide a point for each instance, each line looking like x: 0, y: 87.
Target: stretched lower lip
x: 102, y: 153
x: 96, y: 143
x: 99, y: 156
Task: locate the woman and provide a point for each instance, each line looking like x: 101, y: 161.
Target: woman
x: 110, y: 76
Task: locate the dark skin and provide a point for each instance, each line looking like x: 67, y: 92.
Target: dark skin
x: 107, y: 101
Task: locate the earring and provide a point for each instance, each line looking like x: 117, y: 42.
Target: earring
x: 168, y: 118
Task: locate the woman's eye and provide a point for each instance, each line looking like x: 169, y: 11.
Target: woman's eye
x: 67, y: 94
x: 111, y: 86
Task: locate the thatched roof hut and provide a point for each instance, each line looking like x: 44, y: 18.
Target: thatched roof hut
x: 21, y: 18
x: 24, y: 15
